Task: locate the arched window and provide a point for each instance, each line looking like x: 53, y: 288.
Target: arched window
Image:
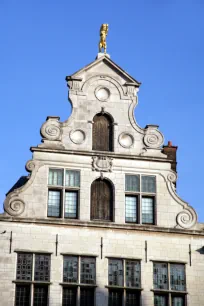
x: 101, y: 200
x: 102, y: 133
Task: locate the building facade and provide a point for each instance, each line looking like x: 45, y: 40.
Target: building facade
x: 98, y: 222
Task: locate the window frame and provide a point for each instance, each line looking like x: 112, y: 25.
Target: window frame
x: 32, y: 284
x: 78, y: 285
x: 63, y: 189
x: 124, y: 289
x: 139, y: 195
x: 169, y: 293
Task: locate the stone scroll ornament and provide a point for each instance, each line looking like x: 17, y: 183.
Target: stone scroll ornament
x: 102, y: 163
x: 153, y: 138
x: 187, y: 218
x: 14, y: 205
x: 51, y: 129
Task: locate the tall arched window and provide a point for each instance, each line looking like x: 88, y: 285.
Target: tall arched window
x: 101, y: 200
x: 102, y: 133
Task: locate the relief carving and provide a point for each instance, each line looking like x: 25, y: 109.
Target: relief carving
x: 186, y: 218
x: 102, y: 163
x: 153, y: 138
x: 14, y: 205
x: 51, y: 129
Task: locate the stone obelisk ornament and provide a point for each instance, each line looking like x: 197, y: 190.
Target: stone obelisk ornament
x: 103, y: 34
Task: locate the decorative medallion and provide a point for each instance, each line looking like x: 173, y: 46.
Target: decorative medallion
x: 102, y: 93
x: 77, y: 136
x: 102, y: 163
x: 14, y: 205
x: 126, y: 140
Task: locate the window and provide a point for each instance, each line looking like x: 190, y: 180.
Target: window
x: 169, y: 284
x: 140, y: 193
x: 124, y: 282
x: 101, y: 200
x: 32, y: 275
x: 63, y: 193
x: 79, y: 280
x: 102, y: 133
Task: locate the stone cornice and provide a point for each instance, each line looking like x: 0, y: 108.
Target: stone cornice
x: 103, y: 225
x: 100, y: 153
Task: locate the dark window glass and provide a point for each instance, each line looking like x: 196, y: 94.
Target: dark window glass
x: 72, y: 178
x: 22, y: 295
x: 88, y: 270
x: 42, y: 267
x: 101, y: 200
x: 86, y: 297
x: 115, y: 298
x: 130, y: 209
x: 70, y: 204
x: 55, y: 177
x: 132, y: 298
x: 69, y: 297
x: 160, y: 300
x: 178, y: 300
x: 147, y: 210
x: 133, y: 273
x: 148, y: 184
x: 102, y: 133
x: 70, y: 269
x: 160, y: 275
x: 115, y: 272
x: 40, y: 295
x: 54, y: 202
x: 177, y: 276
x: 24, y: 266
x: 132, y: 183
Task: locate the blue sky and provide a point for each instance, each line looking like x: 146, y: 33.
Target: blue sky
x: 160, y: 43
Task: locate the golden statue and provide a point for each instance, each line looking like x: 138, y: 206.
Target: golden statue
x: 103, y: 34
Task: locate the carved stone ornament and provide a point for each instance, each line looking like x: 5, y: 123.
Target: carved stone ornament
x: 126, y: 140
x: 153, y: 138
x: 102, y: 163
x: 186, y: 218
x: 51, y: 129
x: 30, y: 165
x: 14, y: 205
x: 102, y: 93
x: 77, y: 136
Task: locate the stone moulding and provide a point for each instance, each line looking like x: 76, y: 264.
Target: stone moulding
x: 186, y: 218
x: 102, y: 163
x: 51, y: 129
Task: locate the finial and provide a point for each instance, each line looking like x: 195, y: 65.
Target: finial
x: 103, y: 34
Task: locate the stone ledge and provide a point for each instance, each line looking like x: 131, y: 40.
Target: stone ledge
x: 106, y: 225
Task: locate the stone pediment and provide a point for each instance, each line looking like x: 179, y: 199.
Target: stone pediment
x: 105, y: 64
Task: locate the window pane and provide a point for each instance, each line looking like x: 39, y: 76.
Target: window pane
x: 40, y: 295
x: 148, y: 184
x: 160, y: 300
x: 147, y: 210
x: 54, y: 199
x: 70, y: 205
x: 160, y: 276
x: 69, y: 297
x: 178, y: 301
x: 42, y: 267
x: 177, y: 272
x: 133, y: 273
x: 130, y: 209
x: 115, y: 298
x: 132, y: 298
x: 72, y: 178
x: 115, y: 272
x: 132, y: 183
x: 70, y: 269
x: 24, y: 266
x: 88, y: 270
x: 22, y: 295
x: 55, y: 177
x: 86, y: 297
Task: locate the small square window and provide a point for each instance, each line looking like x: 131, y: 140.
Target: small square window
x: 115, y: 272
x: 72, y: 178
x: 132, y: 183
x: 55, y: 177
x: 160, y: 300
x: 88, y: 270
x: 148, y: 184
x: 177, y: 276
x: 70, y: 269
